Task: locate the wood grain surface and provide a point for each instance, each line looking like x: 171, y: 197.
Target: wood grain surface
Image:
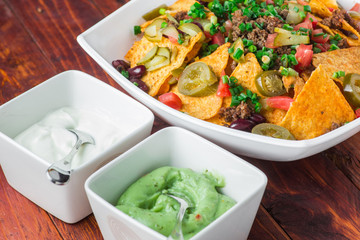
x: 313, y: 198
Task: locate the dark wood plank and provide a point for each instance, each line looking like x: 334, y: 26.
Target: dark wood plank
x: 54, y: 26
x: 265, y: 227
x: 19, y: 58
x: 346, y: 157
x: 20, y: 218
x: 311, y: 199
x: 107, y: 7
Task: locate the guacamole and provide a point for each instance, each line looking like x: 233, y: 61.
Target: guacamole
x: 146, y: 200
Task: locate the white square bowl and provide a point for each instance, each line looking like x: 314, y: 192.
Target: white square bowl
x: 176, y: 147
x: 111, y: 38
x: 26, y: 172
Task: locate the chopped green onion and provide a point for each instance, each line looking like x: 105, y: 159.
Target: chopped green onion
x: 242, y: 27
x: 252, y: 48
x: 225, y: 79
x: 164, y: 25
x: 180, y: 39
x: 318, y: 34
x: 137, y: 30
x: 338, y: 74
x: 162, y: 11
x: 249, y: 27
x: 333, y: 47
x: 296, y: 9
x: 317, y: 50
x: 302, y: 14
x: 125, y: 73
x: 307, y: 8
x: 238, y: 53
x: 231, y: 50
x: 288, y: 27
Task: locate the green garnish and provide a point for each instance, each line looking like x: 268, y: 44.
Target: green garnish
x: 164, y: 25
x: 238, y: 53
x: 125, y: 73
x: 333, y: 47
x: 197, y: 11
x: 338, y: 74
x: 162, y: 11
x: 180, y: 39
x: 307, y: 8
x: 137, y: 30
x: 288, y: 72
x: 207, y: 49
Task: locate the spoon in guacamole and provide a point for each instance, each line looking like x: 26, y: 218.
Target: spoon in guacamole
x: 176, y: 233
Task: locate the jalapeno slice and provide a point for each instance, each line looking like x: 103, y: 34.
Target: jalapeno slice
x: 270, y: 84
x: 272, y: 130
x: 352, y: 89
x: 197, y: 80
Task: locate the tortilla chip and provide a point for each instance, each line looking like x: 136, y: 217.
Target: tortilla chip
x: 247, y: 71
x: 155, y: 79
x: 208, y: 106
x: 181, y: 5
x: 319, y: 8
x: 218, y: 60
x: 165, y: 87
x: 347, y: 60
x: 274, y: 116
x: 352, y: 41
x: 330, y: 4
x: 199, y: 107
x: 326, y: 28
x: 318, y: 108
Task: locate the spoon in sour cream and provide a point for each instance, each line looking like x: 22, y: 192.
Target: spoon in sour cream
x: 60, y: 171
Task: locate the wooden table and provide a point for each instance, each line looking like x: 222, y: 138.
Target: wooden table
x: 313, y: 198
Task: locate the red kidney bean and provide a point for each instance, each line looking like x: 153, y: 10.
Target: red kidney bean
x: 257, y: 118
x: 137, y: 72
x: 243, y: 124
x: 140, y: 84
x: 120, y: 65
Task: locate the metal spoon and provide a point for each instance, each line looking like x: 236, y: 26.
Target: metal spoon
x: 59, y: 172
x: 177, y: 234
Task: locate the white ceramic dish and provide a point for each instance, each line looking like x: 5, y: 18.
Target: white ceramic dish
x: 26, y: 172
x: 112, y: 37
x: 176, y: 147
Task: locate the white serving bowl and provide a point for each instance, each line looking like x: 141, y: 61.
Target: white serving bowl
x: 176, y: 147
x: 26, y: 172
x: 111, y: 38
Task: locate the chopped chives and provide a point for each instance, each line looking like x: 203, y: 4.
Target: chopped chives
x: 338, y: 74
x: 333, y: 47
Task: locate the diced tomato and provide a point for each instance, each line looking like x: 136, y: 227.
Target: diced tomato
x: 218, y: 38
x: 171, y: 99
x: 356, y: 7
x: 305, y: 24
x: 331, y: 9
x: 223, y: 88
x: 270, y: 40
x: 357, y: 112
x: 228, y: 27
x: 324, y: 47
x: 281, y: 102
x: 269, y: 2
x: 304, y: 54
x: 207, y: 34
x: 319, y: 39
x: 302, y: 2
x: 173, y: 40
x: 312, y: 19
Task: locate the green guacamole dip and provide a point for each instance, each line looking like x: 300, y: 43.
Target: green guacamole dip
x: 146, y: 200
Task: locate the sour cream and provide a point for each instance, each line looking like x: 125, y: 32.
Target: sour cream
x: 50, y: 140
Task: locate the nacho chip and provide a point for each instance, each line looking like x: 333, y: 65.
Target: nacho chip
x: 156, y: 79
x: 347, y: 60
x: 247, y: 71
x: 318, y: 109
x: 208, y: 106
x: 218, y: 60
x: 319, y: 8
x: 274, y: 116
x: 326, y: 28
x: 181, y: 5
x: 220, y: 120
x: 330, y: 4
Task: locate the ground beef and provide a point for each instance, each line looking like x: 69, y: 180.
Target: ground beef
x: 232, y: 114
x: 181, y: 16
x: 343, y: 44
x: 258, y: 35
x: 335, y: 21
